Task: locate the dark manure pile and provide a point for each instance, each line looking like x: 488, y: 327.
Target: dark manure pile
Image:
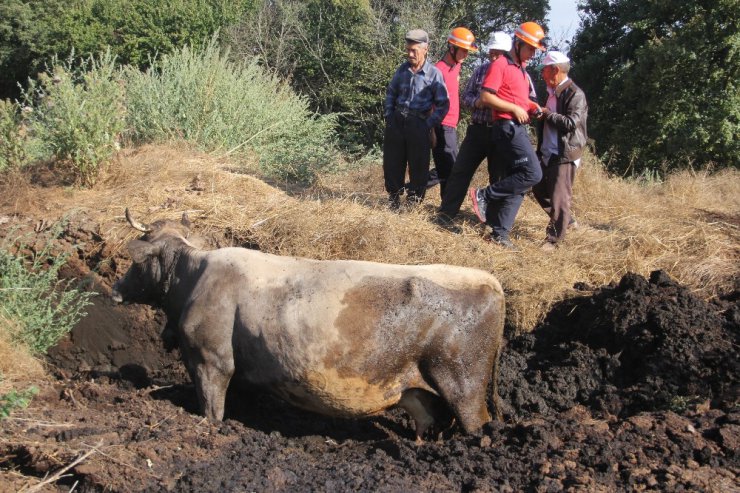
x: 631, y: 388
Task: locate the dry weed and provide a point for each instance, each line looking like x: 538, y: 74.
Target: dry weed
x: 17, y: 367
x: 687, y: 225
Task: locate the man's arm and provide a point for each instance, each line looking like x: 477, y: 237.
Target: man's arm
x: 441, y: 100
x: 391, y: 94
x: 471, y: 93
x: 574, y: 113
x: 491, y: 100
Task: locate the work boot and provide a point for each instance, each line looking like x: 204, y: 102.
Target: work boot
x: 480, y: 204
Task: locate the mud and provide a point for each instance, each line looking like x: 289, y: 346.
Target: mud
x: 630, y: 387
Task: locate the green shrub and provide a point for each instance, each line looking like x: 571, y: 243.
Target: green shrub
x: 200, y: 96
x: 12, y: 139
x: 15, y: 399
x: 78, y: 113
x: 31, y: 294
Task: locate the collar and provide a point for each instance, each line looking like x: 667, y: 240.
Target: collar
x: 565, y: 84
x: 425, y: 67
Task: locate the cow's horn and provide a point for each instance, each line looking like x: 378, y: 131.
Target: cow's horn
x: 135, y: 224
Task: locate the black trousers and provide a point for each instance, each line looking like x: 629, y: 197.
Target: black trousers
x: 523, y: 171
x: 476, y: 146
x: 406, y: 143
x: 444, y: 154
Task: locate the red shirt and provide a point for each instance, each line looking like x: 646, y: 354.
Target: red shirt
x: 451, y: 76
x: 510, y: 82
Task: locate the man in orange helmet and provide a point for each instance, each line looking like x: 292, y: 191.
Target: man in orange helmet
x: 506, y: 90
x: 460, y: 43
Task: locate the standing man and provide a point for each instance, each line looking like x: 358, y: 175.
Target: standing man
x: 477, y: 144
x: 460, y: 43
x: 561, y: 139
x: 415, y: 102
x: 506, y: 90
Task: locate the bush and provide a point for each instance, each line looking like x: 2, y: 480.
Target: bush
x: 78, y: 113
x: 199, y: 96
x: 15, y: 399
x: 31, y: 294
x: 12, y: 139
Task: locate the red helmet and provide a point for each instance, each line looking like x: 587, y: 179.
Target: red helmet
x: 462, y: 38
x: 532, y: 34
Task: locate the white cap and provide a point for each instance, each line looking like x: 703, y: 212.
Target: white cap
x: 499, y: 41
x: 554, y: 57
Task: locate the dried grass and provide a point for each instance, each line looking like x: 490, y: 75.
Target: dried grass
x: 17, y: 367
x: 687, y: 226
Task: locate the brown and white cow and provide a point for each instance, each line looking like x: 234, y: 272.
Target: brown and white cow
x: 341, y: 338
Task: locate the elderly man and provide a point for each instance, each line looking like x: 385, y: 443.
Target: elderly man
x: 477, y: 144
x: 561, y: 139
x: 506, y: 91
x: 415, y: 102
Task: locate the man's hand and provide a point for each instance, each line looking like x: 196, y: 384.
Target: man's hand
x: 519, y: 114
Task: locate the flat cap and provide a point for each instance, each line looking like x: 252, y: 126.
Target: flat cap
x: 417, y: 36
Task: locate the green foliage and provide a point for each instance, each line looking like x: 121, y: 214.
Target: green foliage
x: 200, y: 96
x: 16, y: 399
x: 78, y: 113
x: 31, y: 294
x: 12, y: 138
x: 33, y: 31
x: 662, y: 82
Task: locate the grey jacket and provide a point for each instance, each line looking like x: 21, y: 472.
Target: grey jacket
x: 569, y: 120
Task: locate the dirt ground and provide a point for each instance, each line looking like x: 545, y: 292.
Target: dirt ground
x: 630, y: 387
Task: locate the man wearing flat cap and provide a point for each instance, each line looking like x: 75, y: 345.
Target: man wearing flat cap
x: 561, y: 139
x: 415, y: 102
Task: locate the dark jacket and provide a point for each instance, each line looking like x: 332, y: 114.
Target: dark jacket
x: 569, y: 120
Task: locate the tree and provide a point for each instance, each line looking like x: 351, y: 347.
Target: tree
x: 34, y: 31
x: 662, y: 81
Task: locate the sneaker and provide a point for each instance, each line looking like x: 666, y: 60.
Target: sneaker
x: 478, y: 198
x: 502, y: 242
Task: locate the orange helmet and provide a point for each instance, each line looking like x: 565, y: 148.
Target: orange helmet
x: 532, y: 34
x: 462, y: 38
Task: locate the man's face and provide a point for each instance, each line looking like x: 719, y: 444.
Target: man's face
x: 416, y: 53
x: 526, y: 52
x: 494, y: 54
x: 549, y: 75
x: 460, y: 54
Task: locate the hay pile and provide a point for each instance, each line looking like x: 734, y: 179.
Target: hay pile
x: 687, y: 226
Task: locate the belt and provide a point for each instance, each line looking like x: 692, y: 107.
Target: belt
x: 405, y: 112
x: 505, y: 121
x: 482, y: 124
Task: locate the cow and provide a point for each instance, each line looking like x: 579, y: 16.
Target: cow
x: 341, y: 338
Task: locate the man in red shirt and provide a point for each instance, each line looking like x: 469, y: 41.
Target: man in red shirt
x: 460, y: 43
x: 506, y: 91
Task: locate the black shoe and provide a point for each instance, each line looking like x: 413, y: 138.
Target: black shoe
x: 433, y: 178
x: 394, y: 203
x: 478, y: 198
x: 502, y: 242
x: 443, y: 221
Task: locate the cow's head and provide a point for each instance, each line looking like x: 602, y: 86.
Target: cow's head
x: 154, y: 257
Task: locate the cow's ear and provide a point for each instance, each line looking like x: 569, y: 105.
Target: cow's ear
x: 140, y: 251
x: 185, y: 221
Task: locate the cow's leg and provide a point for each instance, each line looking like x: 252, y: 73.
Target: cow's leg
x: 213, y: 374
x: 464, y: 389
x: 209, y: 357
x: 426, y: 409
